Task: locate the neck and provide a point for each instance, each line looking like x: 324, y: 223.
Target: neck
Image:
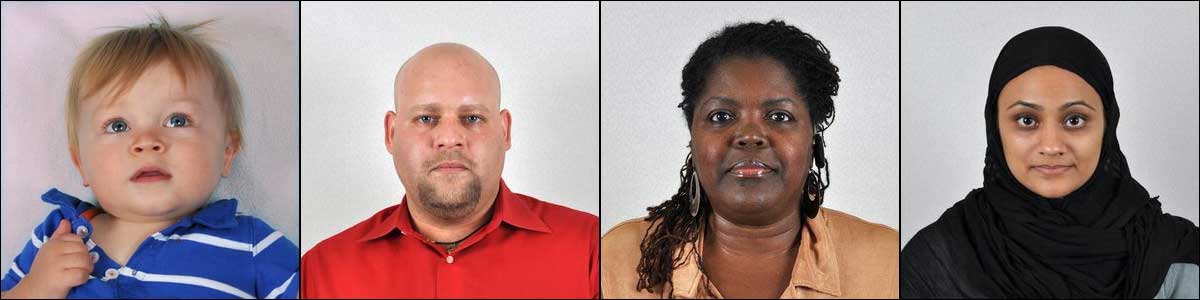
x: 448, y: 230
x: 132, y: 226
x: 771, y: 239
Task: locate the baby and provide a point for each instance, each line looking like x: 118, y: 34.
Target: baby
x: 153, y: 121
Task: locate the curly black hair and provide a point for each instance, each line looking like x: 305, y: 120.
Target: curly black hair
x: 816, y: 79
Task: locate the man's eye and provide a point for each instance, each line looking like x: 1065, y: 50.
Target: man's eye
x: 116, y: 126
x: 1075, y: 121
x: 473, y: 119
x: 720, y: 117
x: 177, y: 120
x: 780, y: 117
x: 1026, y: 121
x: 426, y: 119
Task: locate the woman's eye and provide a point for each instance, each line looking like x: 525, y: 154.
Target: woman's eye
x: 1026, y: 121
x: 177, y: 120
x: 1075, y: 121
x: 780, y: 117
x: 720, y: 117
x: 116, y: 126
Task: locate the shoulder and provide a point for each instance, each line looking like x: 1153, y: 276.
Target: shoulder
x: 348, y: 237
x: 854, y: 232
x: 560, y: 217
x: 620, y: 252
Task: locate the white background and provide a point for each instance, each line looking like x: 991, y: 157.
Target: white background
x: 545, y: 53
x: 646, y: 45
x: 948, y: 52
x: 259, y: 41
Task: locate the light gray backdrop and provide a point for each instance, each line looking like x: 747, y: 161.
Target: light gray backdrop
x: 947, y: 54
x: 259, y: 41
x: 646, y: 45
x: 546, y: 55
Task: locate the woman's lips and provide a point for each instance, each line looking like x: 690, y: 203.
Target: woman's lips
x: 1052, y: 170
x: 750, y: 169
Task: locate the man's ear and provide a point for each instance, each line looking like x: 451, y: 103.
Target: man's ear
x: 232, y: 146
x: 506, y: 121
x: 78, y: 166
x: 389, y: 127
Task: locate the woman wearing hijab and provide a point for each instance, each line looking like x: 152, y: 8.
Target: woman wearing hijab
x: 747, y: 220
x: 1059, y: 215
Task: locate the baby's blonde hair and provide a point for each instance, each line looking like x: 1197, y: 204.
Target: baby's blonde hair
x: 120, y: 57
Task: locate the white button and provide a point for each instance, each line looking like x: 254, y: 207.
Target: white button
x: 110, y: 274
x: 95, y: 257
x: 449, y: 259
x: 81, y: 230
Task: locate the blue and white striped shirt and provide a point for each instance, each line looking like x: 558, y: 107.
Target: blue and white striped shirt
x: 214, y: 253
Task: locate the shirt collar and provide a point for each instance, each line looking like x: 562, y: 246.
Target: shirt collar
x: 218, y: 215
x: 510, y: 208
x: 816, y: 264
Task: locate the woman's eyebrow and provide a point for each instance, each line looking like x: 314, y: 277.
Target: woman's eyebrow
x: 722, y: 100
x: 777, y: 102
x: 1032, y: 105
x: 1078, y: 102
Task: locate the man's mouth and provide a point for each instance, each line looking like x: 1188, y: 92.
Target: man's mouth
x: 449, y: 167
x: 150, y: 174
x: 750, y: 169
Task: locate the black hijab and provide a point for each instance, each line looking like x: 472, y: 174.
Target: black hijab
x: 1108, y: 239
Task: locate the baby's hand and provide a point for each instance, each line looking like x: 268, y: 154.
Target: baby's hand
x: 62, y: 263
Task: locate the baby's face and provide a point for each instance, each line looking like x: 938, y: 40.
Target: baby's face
x: 157, y: 152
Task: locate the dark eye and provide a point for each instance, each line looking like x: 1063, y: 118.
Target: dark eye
x: 720, y: 116
x: 1026, y: 121
x: 1075, y: 121
x: 473, y: 119
x: 177, y: 120
x: 426, y: 119
x: 779, y: 116
x: 116, y: 126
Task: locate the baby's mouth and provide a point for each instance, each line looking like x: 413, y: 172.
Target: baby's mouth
x: 150, y: 174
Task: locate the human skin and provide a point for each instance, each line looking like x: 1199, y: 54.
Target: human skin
x: 151, y: 156
x: 1051, y: 126
x: 448, y: 137
x: 751, y: 141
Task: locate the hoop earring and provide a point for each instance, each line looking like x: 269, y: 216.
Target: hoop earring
x: 695, y: 193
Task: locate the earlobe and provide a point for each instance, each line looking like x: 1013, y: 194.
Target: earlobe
x: 232, y: 146
x: 79, y: 167
x: 389, y: 128
x: 506, y: 120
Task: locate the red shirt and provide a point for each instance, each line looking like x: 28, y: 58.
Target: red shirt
x: 529, y: 249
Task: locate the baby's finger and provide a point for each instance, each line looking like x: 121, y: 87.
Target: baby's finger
x: 63, y: 227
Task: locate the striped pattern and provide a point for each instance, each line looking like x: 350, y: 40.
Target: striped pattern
x: 213, y: 254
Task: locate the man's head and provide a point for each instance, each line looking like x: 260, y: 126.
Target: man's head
x: 448, y: 135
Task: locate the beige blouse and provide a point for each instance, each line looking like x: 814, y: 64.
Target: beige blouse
x: 840, y: 256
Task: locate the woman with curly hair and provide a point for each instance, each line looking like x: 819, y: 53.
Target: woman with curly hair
x: 747, y: 220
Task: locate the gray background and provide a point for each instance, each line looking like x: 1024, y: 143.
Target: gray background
x: 545, y: 53
x: 259, y: 41
x: 947, y: 54
x: 645, y: 46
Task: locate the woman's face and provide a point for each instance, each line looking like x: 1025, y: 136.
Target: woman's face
x: 1052, y: 127
x: 751, y: 141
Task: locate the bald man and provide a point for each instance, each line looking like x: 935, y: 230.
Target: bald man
x: 458, y: 232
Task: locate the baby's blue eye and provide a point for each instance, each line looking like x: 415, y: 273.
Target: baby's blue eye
x: 116, y: 126
x: 177, y: 121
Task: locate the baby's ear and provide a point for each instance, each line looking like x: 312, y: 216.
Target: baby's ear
x: 232, y: 146
x: 78, y: 166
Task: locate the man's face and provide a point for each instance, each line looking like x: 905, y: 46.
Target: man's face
x: 448, y: 135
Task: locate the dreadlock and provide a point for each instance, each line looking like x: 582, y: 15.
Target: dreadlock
x: 816, y: 80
